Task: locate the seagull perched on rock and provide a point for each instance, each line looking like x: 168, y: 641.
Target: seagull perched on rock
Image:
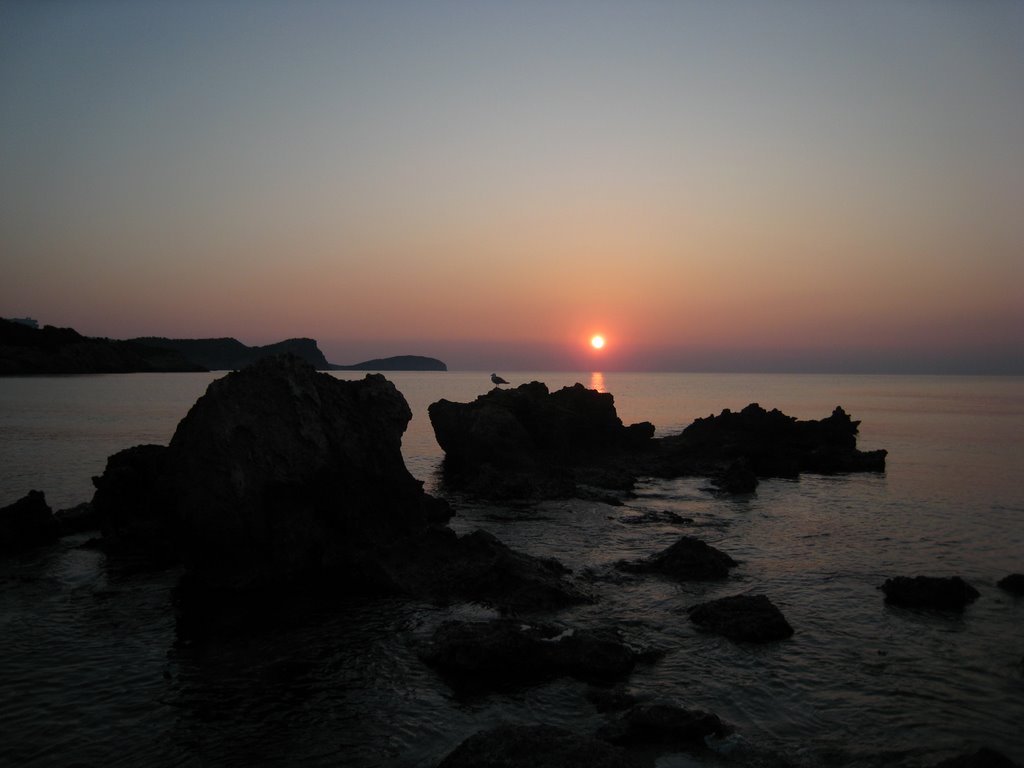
x: 497, y: 380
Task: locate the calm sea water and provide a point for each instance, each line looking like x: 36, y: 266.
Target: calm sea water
x: 90, y: 674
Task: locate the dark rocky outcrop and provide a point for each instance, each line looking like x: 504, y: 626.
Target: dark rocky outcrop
x: 1014, y: 584
x: 983, y: 758
x: 746, y: 618
x: 535, y: 746
x: 508, y: 652
x: 661, y: 724
x: 767, y: 444
x: 281, y: 477
x: 529, y: 442
x: 277, y: 472
x: 27, y: 523
x: 947, y: 594
x: 689, y: 559
x: 525, y: 441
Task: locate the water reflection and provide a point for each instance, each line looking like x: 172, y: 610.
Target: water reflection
x: 597, y: 381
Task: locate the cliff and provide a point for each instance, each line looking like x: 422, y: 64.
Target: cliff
x: 227, y: 354
x: 49, y: 350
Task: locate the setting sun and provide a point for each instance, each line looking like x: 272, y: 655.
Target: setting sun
x: 597, y: 342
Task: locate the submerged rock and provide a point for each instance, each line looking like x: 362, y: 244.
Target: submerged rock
x: 27, y: 523
x: 535, y: 746
x: 479, y: 568
x: 747, y: 618
x: 983, y: 758
x: 508, y: 652
x: 1014, y: 583
x: 947, y: 594
x: 689, y: 559
x: 661, y: 724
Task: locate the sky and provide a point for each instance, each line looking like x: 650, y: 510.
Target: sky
x: 721, y: 186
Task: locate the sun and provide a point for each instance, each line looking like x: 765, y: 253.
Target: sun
x: 597, y: 342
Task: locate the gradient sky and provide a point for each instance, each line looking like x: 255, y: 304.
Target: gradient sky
x: 714, y: 186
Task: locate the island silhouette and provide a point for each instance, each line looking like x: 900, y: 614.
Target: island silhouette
x: 27, y: 349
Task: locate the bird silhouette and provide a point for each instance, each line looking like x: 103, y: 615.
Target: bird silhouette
x: 496, y: 379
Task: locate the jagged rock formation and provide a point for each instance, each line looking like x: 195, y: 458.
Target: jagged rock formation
x: 527, y: 440
x: 766, y: 444
x: 281, y: 477
x: 48, y: 350
x: 275, y: 473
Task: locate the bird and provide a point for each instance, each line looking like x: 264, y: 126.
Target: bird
x: 496, y: 379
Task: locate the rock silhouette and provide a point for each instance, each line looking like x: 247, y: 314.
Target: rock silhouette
x: 689, y: 559
x: 27, y: 523
x: 947, y: 594
x: 528, y: 442
x: 507, y: 652
x: 746, y: 618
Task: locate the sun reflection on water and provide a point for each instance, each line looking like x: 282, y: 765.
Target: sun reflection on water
x: 597, y: 381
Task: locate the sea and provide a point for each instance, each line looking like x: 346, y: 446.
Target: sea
x: 90, y: 673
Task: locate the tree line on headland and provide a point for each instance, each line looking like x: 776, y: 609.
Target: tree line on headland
x: 27, y: 349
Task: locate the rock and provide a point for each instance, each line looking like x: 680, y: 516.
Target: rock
x: 277, y: 473
x: 508, y: 652
x: 768, y: 443
x: 983, y: 758
x: 135, y: 512
x: 661, y: 724
x: 479, y: 568
x: 77, y: 519
x: 1014, y: 583
x: 948, y: 594
x: 746, y: 618
x: 689, y: 559
x: 737, y: 478
x: 27, y: 523
x: 535, y: 746
x: 531, y: 433
x: 615, y: 699
x: 657, y: 516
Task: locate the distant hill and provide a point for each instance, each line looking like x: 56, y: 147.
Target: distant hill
x: 49, y: 350
x: 398, y: 363
x: 230, y: 354
x: 25, y: 349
